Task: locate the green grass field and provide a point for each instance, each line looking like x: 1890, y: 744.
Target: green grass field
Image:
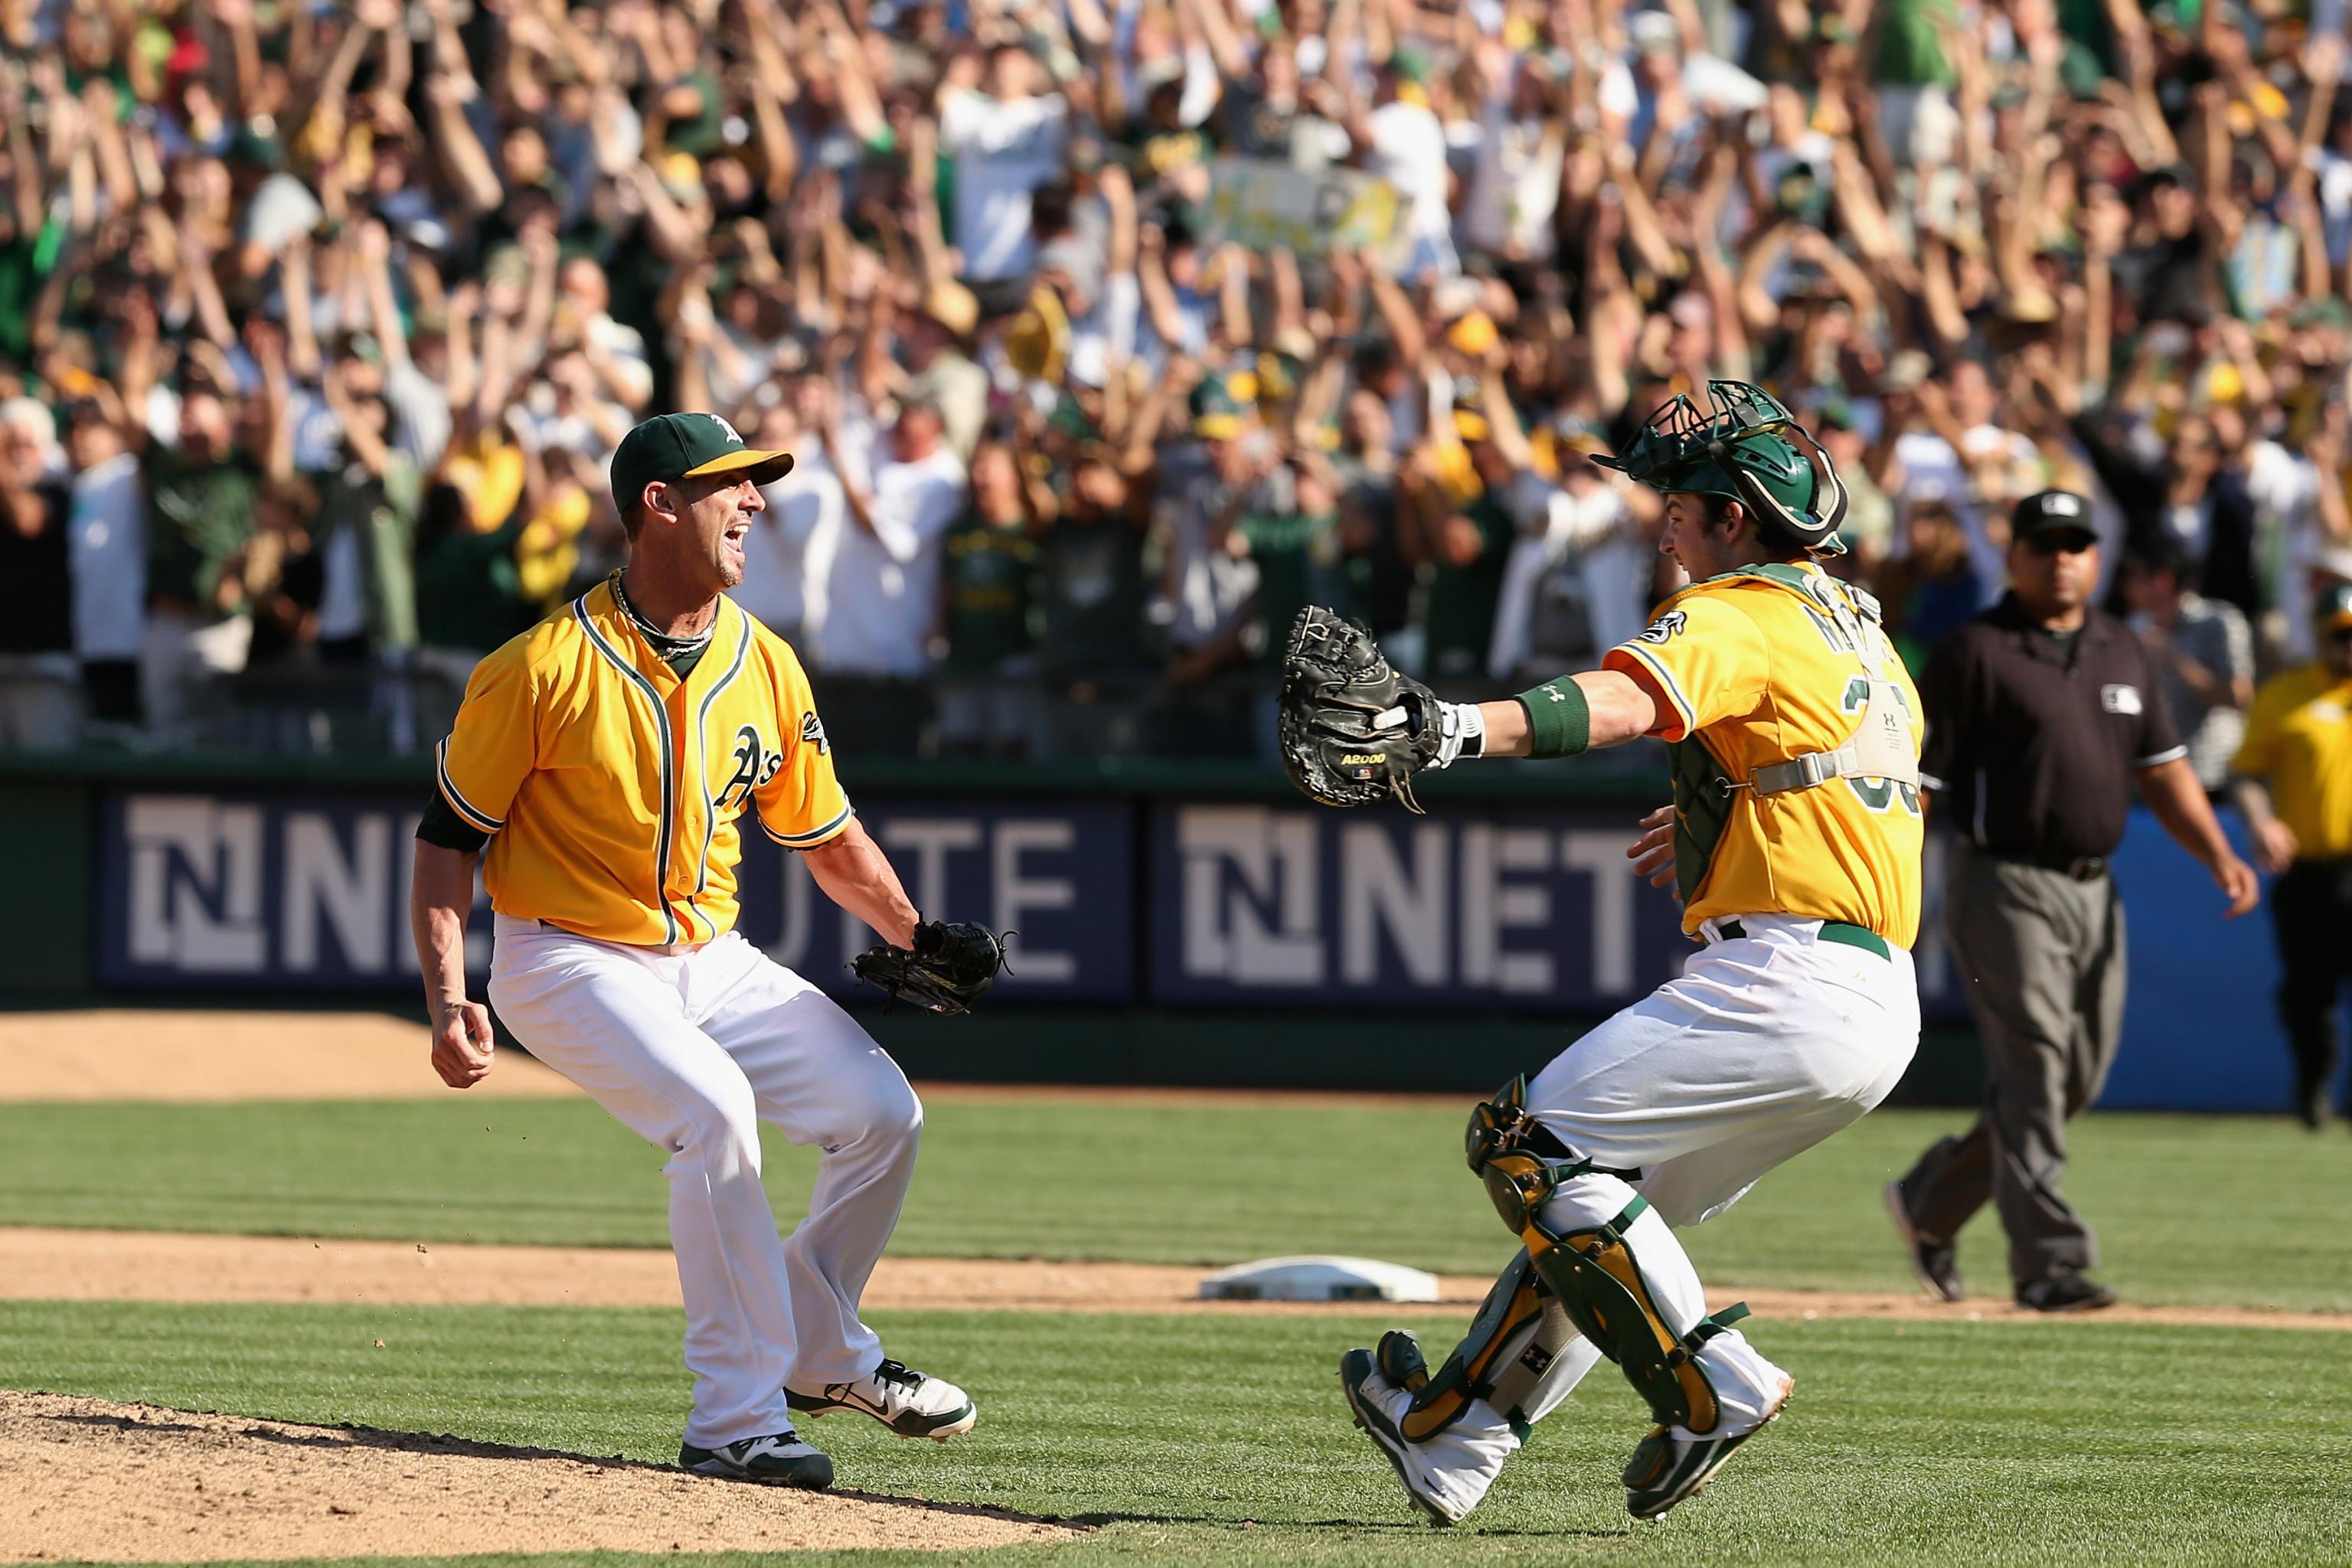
x: 1221, y: 1440
x: 1984, y: 1442
x: 2192, y: 1209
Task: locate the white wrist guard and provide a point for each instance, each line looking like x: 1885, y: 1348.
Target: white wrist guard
x: 1461, y: 733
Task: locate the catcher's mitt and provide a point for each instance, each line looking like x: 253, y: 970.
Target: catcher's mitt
x: 949, y: 968
x: 1352, y: 730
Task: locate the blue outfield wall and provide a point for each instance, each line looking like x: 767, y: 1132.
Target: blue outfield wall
x: 2200, y: 1025
x: 1193, y: 894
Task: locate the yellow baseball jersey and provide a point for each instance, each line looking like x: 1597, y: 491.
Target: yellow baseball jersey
x: 1756, y: 671
x: 611, y: 788
x: 2299, y: 737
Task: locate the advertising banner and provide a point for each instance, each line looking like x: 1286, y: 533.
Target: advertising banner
x: 1533, y: 909
x: 259, y: 891
x: 1521, y: 909
x: 1154, y: 901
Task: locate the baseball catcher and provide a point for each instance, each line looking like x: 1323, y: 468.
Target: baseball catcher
x: 1793, y: 843
x: 949, y: 968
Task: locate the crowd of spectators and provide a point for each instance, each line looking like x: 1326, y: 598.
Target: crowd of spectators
x: 1108, y: 332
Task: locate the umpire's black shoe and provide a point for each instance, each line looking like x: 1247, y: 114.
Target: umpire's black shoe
x: 2067, y: 1292
x: 2311, y: 1104
x: 1936, y: 1263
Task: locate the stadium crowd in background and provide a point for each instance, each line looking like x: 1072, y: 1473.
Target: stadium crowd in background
x: 1109, y: 333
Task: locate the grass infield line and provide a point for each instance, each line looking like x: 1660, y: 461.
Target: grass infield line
x: 2217, y: 1212
x: 39, y: 1264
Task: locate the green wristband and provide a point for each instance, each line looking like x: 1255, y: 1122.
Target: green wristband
x: 1559, y: 720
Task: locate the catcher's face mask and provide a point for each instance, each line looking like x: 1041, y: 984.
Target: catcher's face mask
x: 1751, y: 450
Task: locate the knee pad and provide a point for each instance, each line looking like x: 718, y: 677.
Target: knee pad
x: 1591, y: 1271
x: 1517, y: 1336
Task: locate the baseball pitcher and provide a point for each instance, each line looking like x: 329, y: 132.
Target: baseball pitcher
x: 1793, y: 843
x: 601, y: 768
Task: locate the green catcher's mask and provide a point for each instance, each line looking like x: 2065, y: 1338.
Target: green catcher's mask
x: 1751, y: 450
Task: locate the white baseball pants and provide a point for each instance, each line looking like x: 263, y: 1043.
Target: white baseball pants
x: 1767, y: 1043
x: 692, y: 1051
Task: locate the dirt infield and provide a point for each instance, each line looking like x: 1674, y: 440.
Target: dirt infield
x: 90, y: 1480
x: 189, y: 1056
x: 130, y: 1054
x: 145, y: 1266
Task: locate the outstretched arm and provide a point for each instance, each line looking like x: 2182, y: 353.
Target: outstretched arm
x: 1615, y: 708
x: 854, y: 873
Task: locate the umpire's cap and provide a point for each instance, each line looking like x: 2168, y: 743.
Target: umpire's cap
x: 2053, y: 512
x: 685, y: 445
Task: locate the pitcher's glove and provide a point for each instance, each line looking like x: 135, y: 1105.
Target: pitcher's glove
x: 1352, y: 730
x: 949, y: 967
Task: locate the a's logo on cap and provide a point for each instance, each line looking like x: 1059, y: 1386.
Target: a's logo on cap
x: 731, y: 433
x: 2058, y: 504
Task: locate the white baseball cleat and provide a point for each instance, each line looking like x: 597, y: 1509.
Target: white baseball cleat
x: 911, y: 1403
x: 1379, y: 1406
x: 1667, y: 1469
x: 779, y: 1459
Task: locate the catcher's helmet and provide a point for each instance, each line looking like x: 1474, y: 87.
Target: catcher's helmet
x: 1751, y: 450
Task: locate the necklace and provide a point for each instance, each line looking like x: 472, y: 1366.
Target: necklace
x: 662, y: 641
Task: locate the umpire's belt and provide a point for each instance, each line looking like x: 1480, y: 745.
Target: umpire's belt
x: 2081, y: 868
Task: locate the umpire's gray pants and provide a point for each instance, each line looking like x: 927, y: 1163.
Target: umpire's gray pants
x: 2042, y: 957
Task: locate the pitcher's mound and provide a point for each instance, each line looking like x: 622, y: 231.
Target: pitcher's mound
x: 88, y: 1478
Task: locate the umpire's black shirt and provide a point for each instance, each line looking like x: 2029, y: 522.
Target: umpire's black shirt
x: 2034, y: 736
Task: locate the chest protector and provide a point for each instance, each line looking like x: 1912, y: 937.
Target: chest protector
x: 1881, y: 746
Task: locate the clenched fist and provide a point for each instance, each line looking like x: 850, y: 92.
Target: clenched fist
x: 461, y: 1043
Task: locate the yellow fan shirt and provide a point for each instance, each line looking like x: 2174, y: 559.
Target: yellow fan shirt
x: 2299, y: 737
x: 1756, y: 671
x: 611, y: 789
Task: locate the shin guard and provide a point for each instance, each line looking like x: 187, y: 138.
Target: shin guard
x: 1514, y: 1341
x: 1591, y: 1271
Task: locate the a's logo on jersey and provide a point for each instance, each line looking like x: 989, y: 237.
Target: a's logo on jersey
x: 812, y: 731
x: 754, y: 765
x: 1669, y: 625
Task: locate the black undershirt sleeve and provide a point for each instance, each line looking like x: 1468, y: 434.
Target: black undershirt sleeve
x: 445, y: 828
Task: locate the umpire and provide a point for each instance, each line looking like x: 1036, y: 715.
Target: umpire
x: 2295, y: 784
x: 2042, y: 712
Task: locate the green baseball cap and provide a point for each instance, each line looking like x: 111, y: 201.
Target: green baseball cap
x: 1222, y: 404
x: 686, y: 446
